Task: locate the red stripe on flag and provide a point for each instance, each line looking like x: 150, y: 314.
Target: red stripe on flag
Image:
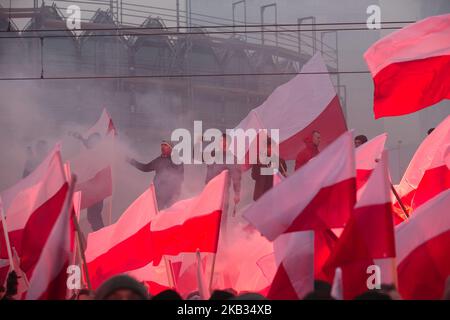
x: 328, y: 209
x: 330, y: 123
x: 409, y: 86
x: 30, y: 241
x: 281, y: 288
x: 55, y: 291
x: 145, y: 246
x: 361, y: 177
x: 434, y: 181
x: 95, y: 189
x: 422, y: 274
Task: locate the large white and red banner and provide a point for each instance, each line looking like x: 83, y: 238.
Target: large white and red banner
x: 410, y: 67
x: 306, y: 103
x: 318, y: 196
x: 142, y: 236
x: 423, y: 244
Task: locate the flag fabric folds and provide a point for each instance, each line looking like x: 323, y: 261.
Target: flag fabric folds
x: 410, y: 67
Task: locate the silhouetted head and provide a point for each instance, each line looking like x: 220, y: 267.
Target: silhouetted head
x: 85, y: 294
x: 167, y: 295
x: 249, y: 296
x: 122, y: 287
x: 373, y: 295
x: 166, y: 148
x: 430, y: 130
x: 391, y: 291
x: 221, y: 295
x: 322, y: 291
x: 360, y: 140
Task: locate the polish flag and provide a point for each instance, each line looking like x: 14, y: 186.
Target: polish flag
x: 294, y: 254
x: 367, y: 156
x: 410, y: 67
x: 423, y: 246
x: 368, y: 237
x: 49, y: 278
x: 122, y: 245
x: 306, y: 103
x: 32, y: 208
x: 140, y: 236
x: 93, y: 169
x: 428, y: 173
x: 318, y: 196
x: 104, y: 126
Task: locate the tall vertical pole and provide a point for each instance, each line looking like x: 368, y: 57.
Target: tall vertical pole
x: 178, y: 15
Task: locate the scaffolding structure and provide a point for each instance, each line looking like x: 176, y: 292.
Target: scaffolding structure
x: 113, y: 43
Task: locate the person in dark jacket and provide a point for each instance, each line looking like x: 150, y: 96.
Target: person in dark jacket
x: 263, y: 182
x: 213, y: 170
x: 312, y: 149
x: 168, y: 175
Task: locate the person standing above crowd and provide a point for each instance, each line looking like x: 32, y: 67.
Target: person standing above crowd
x: 213, y: 170
x: 264, y: 182
x: 310, y: 151
x: 168, y: 175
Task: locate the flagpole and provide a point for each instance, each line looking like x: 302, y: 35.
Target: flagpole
x: 5, y: 231
x: 78, y: 233
x: 81, y: 250
x: 399, y: 201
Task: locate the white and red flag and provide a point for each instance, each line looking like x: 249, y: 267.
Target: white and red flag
x: 49, y: 278
x: 306, y: 103
x: 318, y: 196
x: 140, y: 236
x: 294, y: 255
x: 410, y: 67
x: 93, y: 165
x: 32, y: 208
x: 423, y: 246
x: 368, y: 237
x: 367, y: 156
x: 104, y: 126
x: 93, y: 169
x: 428, y: 173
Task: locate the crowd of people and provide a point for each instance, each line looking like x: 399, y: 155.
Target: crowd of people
x: 125, y: 287
x: 168, y: 180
